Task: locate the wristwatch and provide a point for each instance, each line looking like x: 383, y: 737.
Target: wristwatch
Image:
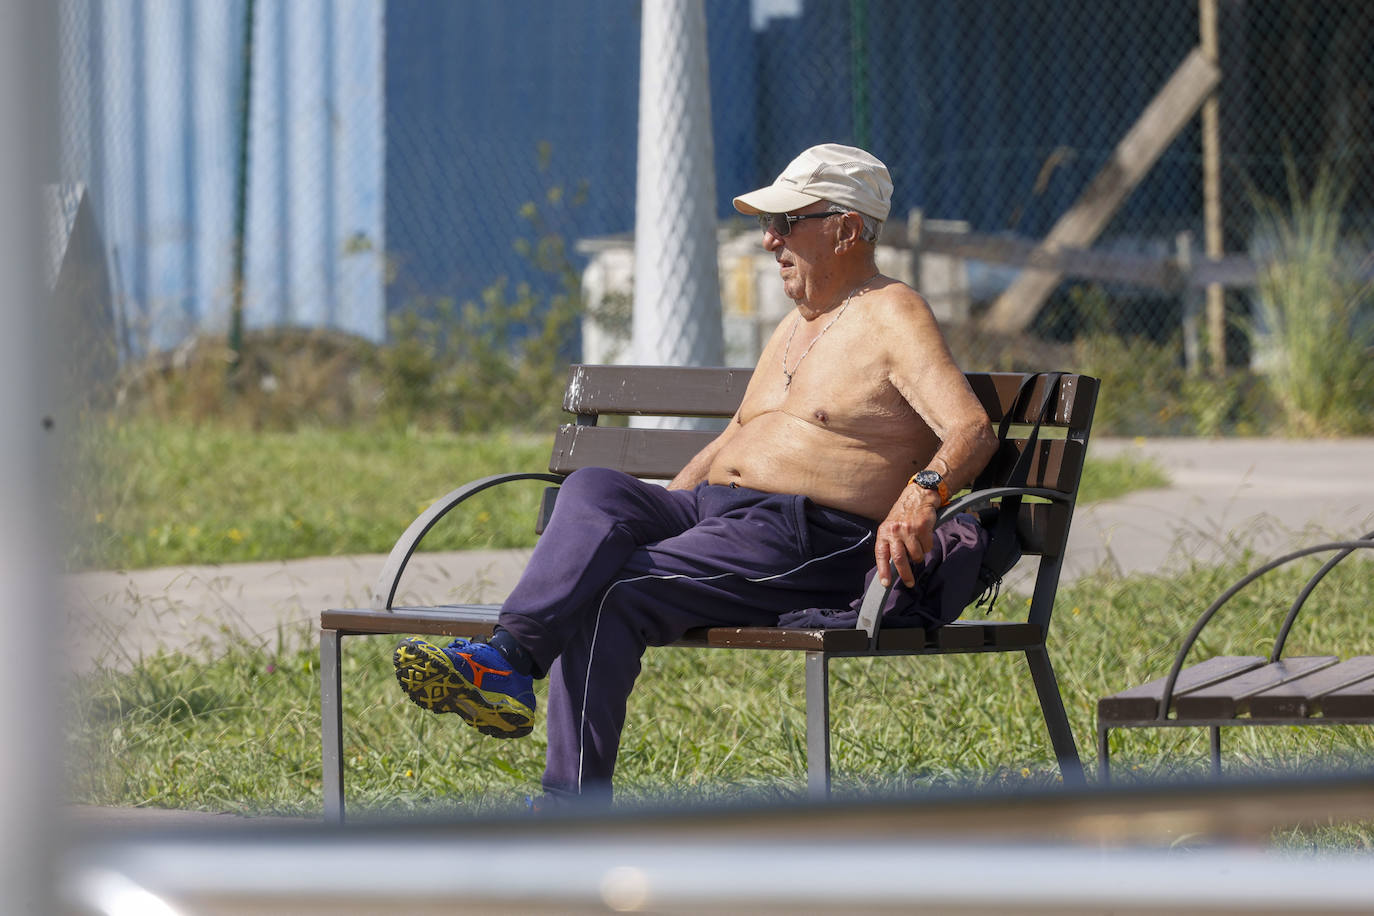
x: 932, y: 480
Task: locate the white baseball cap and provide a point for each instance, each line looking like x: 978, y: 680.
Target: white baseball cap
x: 845, y: 175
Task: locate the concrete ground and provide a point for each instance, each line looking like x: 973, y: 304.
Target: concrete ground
x: 1270, y: 495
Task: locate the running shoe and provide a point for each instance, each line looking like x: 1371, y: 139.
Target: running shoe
x: 469, y: 678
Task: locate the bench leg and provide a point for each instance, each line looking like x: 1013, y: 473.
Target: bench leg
x: 818, y: 725
x: 1052, y: 707
x: 1216, y: 749
x: 331, y: 726
x: 1104, y: 766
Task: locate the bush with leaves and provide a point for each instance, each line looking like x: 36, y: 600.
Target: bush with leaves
x: 1316, y: 327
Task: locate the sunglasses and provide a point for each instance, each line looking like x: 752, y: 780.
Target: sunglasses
x: 781, y: 223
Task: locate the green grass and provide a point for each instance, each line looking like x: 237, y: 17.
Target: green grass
x: 240, y: 731
x: 143, y: 493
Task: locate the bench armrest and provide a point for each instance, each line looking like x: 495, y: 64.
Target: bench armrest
x: 870, y: 618
x: 385, y: 591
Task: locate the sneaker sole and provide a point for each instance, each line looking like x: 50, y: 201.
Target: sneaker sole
x: 431, y: 682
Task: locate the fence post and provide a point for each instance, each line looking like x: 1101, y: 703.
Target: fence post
x: 1211, y: 190
x: 1192, y: 343
x: 914, y: 222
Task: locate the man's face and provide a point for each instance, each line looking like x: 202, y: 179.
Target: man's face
x: 805, y: 255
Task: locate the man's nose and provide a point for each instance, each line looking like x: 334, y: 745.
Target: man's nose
x: 771, y: 240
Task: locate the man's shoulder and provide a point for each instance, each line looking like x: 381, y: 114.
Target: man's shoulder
x: 897, y: 307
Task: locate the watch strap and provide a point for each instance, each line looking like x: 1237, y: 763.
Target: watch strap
x: 940, y: 487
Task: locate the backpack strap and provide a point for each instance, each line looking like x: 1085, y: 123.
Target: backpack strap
x: 1004, y: 545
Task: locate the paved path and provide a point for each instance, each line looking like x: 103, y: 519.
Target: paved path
x: 1273, y: 495
x: 1270, y: 494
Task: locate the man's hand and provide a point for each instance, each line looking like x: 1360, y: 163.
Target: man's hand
x: 907, y: 534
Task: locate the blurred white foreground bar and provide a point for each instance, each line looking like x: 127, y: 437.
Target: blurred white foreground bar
x: 435, y: 874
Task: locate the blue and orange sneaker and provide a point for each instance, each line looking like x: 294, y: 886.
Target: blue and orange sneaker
x: 471, y: 679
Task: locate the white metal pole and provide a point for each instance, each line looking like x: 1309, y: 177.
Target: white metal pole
x: 677, y: 313
x: 32, y: 674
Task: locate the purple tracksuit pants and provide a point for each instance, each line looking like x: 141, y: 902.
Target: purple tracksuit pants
x: 624, y: 565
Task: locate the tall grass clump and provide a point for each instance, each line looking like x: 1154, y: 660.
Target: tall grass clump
x: 1316, y: 323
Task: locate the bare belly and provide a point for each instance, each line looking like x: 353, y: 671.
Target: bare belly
x: 781, y: 453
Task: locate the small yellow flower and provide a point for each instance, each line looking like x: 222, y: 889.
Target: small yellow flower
x: 410, y: 774
x: 483, y: 517
x: 234, y: 535
x: 1077, y: 611
x: 100, y: 518
x: 1025, y: 772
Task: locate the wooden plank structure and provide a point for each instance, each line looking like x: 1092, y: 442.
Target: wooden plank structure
x: 1167, y: 114
x: 1248, y: 690
x: 597, y: 392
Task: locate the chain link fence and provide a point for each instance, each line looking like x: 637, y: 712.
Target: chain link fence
x: 401, y: 155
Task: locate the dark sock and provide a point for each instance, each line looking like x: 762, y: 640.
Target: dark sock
x: 515, y: 653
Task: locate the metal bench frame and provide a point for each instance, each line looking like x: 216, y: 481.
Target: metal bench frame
x: 594, y: 392
x: 1212, y: 694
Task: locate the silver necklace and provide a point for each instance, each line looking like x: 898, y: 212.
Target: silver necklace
x: 787, y: 376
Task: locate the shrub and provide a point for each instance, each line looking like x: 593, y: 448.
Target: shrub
x: 1317, y: 315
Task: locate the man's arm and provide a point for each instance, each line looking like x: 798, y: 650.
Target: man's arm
x: 923, y: 370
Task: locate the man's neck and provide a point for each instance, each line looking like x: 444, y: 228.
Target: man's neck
x: 839, y: 290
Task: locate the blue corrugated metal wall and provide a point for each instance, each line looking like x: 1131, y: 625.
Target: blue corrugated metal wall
x: 475, y: 90
x: 150, y: 114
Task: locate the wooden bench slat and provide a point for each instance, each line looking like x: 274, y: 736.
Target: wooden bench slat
x: 443, y: 620
x: 652, y: 453
x: 1304, y: 696
x: 1055, y: 463
x: 674, y: 391
x: 997, y: 391
x: 716, y: 392
x: 845, y: 640
x: 1353, y: 702
x: 1143, y: 702
x: 1230, y: 698
x: 1011, y: 634
x: 1043, y: 528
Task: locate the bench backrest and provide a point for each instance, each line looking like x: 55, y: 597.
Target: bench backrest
x: 595, y: 393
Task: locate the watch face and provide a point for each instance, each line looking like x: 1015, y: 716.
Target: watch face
x: 928, y: 479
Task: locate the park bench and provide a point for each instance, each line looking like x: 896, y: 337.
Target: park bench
x: 1249, y: 690
x: 1055, y: 447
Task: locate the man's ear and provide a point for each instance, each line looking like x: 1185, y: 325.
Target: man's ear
x: 849, y: 232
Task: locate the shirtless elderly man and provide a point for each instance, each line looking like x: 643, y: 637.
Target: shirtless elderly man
x: 855, y: 428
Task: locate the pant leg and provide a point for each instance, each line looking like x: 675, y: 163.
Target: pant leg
x: 600, y: 518
x: 759, y: 559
